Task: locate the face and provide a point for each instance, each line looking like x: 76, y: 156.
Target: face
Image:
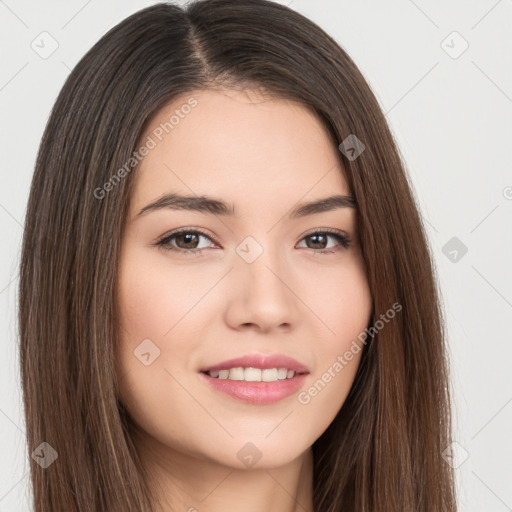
x: 265, y: 282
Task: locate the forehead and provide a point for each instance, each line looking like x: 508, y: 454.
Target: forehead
x: 239, y: 145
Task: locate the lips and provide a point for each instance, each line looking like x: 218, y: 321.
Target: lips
x: 259, y: 361
x: 256, y: 393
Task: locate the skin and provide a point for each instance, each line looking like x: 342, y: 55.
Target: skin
x: 264, y: 155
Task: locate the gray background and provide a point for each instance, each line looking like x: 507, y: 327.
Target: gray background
x: 450, y: 111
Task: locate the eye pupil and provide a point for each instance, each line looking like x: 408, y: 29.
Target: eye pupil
x: 188, y: 236
x: 316, y: 236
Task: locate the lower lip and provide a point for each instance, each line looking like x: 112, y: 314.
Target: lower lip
x: 260, y: 393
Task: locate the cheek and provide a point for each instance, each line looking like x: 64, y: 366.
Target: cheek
x: 152, y: 348
x: 156, y: 298
x: 341, y: 299
x: 344, y: 305
x: 151, y: 303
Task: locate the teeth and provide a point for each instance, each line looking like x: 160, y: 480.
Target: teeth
x: 281, y: 373
x: 253, y: 374
x: 236, y: 374
x: 269, y: 375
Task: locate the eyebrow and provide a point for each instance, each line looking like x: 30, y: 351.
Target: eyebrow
x: 207, y: 204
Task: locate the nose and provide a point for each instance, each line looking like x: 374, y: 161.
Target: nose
x: 261, y: 295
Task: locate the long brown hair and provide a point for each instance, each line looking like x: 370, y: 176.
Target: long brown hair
x: 383, y: 451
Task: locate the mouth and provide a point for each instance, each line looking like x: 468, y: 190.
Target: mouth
x: 256, y: 379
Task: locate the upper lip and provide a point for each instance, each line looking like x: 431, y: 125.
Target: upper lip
x: 259, y: 361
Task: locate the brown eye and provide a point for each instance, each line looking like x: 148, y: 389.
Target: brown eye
x: 186, y: 241
x: 189, y: 240
x: 319, y: 239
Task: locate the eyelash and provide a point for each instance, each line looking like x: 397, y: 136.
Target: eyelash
x: 343, y: 240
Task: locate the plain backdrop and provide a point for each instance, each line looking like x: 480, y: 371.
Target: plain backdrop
x: 442, y: 72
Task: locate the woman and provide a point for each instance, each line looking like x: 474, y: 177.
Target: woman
x: 186, y: 344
